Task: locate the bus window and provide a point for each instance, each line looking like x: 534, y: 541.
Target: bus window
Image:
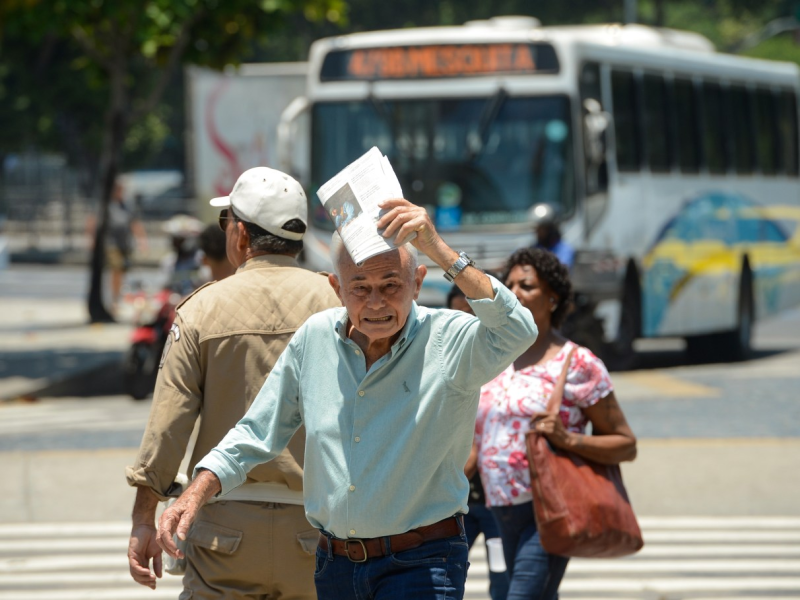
x: 595, y: 122
x: 789, y: 133
x: 766, y: 138
x: 471, y: 161
x: 686, y: 125
x: 741, y: 129
x: 656, y: 131
x: 626, y: 123
x: 713, y: 128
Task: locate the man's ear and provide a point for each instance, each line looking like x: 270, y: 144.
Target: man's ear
x: 334, y: 281
x: 243, y: 239
x: 419, y: 275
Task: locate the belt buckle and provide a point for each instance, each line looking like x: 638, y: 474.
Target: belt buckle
x: 347, y: 550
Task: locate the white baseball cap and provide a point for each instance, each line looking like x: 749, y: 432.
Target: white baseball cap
x: 269, y: 199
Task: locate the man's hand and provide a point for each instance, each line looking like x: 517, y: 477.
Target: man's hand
x: 179, y: 517
x: 402, y: 219
x: 141, y: 548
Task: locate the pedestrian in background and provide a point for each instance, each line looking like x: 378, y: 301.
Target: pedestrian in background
x: 226, y: 339
x: 519, y: 394
x: 548, y: 235
x: 479, y: 519
x: 212, y: 244
x: 124, y: 231
x: 388, y: 393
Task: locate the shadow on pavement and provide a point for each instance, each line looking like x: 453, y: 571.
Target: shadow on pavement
x: 64, y: 372
x: 664, y: 359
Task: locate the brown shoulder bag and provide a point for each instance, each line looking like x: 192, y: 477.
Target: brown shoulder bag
x: 581, y: 507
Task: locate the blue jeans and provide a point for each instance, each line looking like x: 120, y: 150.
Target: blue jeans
x: 534, y: 573
x: 479, y: 519
x: 436, y: 570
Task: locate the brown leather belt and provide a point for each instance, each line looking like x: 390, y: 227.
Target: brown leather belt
x: 359, y: 550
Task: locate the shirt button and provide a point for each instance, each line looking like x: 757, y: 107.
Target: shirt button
x: 352, y: 532
x: 361, y: 393
x: 358, y: 439
x: 358, y: 352
x: 352, y: 488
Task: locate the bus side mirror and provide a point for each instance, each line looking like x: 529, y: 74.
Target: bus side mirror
x: 293, y: 140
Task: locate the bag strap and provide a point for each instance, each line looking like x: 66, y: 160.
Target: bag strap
x: 554, y: 404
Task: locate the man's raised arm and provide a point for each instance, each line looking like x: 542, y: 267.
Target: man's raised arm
x: 402, y: 219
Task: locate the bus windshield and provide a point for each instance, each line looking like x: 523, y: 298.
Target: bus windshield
x: 469, y: 161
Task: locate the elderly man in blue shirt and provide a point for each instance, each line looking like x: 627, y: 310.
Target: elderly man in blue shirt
x: 388, y: 392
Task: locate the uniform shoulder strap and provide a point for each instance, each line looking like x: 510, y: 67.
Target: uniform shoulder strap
x: 186, y: 298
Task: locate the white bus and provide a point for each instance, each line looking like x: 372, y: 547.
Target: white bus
x: 674, y: 168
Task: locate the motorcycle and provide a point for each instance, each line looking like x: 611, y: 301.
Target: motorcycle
x: 154, y: 316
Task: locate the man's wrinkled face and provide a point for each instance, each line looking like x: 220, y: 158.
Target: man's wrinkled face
x: 379, y: 293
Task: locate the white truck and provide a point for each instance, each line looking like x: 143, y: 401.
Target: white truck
x: 233, y: 121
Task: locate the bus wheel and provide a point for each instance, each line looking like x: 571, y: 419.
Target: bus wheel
x: 737, y: 344
x: 732, y: 345
x: 620, y: 354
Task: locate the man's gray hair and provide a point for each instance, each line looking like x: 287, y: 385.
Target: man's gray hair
x: 337, y: 247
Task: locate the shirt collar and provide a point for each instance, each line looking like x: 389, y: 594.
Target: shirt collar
x: 266, y: 261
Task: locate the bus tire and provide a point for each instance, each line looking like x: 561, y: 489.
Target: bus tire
x: 734, y: 345
x: 620, y: 354
x: 737, y: 344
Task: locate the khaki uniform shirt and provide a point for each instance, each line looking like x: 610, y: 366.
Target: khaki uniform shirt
x: 226, y: 339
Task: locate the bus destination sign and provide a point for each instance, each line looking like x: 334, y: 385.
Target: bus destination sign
x: 438, y: 61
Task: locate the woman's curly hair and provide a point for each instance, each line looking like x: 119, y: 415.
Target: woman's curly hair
x: 552, y: 271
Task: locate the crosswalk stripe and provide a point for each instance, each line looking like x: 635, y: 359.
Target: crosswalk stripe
x: 759, y: 566
x: 686, y: 558
x: 651, y: 523
x: 72, y: 530
x: 721, y: 536
x: 160, y: 593
x: 683, y: 584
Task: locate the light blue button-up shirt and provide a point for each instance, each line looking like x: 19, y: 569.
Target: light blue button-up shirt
x: 385, y: 448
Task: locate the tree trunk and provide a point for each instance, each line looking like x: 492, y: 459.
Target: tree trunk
x: 661, y: 15
x: 112, y: 151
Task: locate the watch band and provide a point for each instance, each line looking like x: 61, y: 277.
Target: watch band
x: 461, y: 263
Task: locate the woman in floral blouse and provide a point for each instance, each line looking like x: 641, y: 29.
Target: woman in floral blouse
x: 519, y: 395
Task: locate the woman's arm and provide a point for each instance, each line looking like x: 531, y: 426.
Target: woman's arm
x: 472, y: 462
x: 611, y: 442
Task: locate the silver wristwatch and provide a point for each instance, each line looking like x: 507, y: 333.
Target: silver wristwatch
x: 462, y: 263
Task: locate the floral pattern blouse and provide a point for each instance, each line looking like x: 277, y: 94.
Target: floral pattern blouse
x: 506, y: 405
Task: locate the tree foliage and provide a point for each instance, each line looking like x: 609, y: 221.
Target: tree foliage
x: 115, y: 60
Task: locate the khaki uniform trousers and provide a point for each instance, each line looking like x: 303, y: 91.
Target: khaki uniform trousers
x: 250, y: 551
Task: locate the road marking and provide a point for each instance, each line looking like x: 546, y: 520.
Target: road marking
x: 661, y: 384
x: 683, y: 585
x: 762, y: 566
x: 722, y: 536
x: 63, y: 545
x: 719, y: 522
x: 161, y: 592
x: 72, y: 530
x: 707, y: 550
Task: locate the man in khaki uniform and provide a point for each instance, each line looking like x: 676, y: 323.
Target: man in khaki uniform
x: 226, y: 339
